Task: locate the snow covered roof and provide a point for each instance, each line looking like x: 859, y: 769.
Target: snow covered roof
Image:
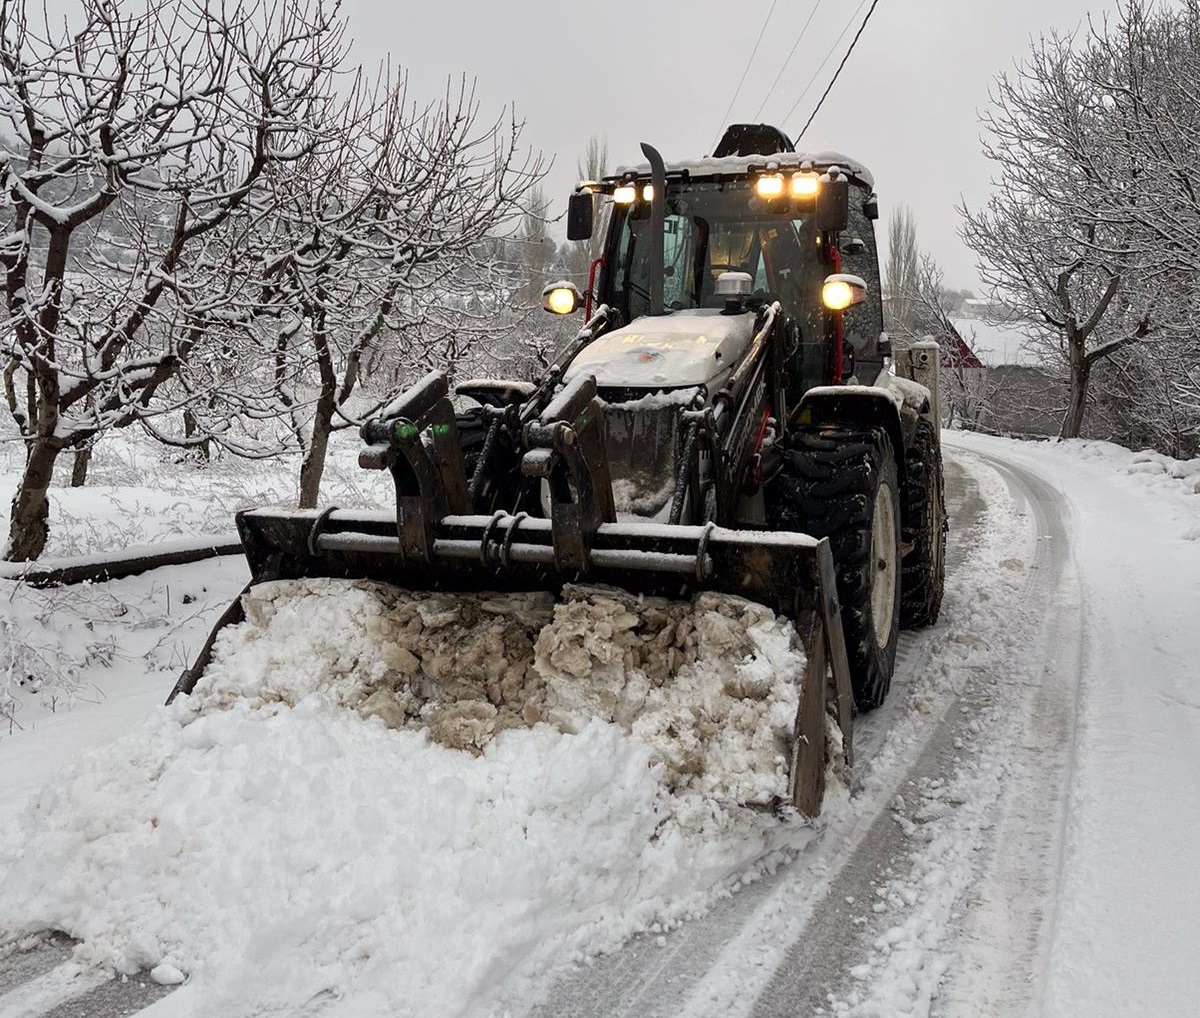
x: 820, y: 162
x: 960, y: 354
x: 996, y: 343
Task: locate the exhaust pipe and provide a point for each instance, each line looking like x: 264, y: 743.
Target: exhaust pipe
x: 658, y: 207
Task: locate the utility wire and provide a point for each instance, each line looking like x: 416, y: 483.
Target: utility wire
x: 833, y: 81
x: 828, y: 55
x: 788, y: 59
x: 746, y: 70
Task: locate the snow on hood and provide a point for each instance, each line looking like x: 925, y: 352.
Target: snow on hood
x: 684, y: 348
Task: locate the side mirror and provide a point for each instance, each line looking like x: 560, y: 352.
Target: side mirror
x: 832, y: 213
x: 843, y: 291
x: 579, y: 216
x: 563, y: 297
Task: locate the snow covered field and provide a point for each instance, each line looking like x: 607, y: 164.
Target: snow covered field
x: 1019, y: 836
x: 141, y: 493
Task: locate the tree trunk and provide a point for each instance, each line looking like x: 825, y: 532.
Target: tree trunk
x: 313, y: 465
x: 79, y: 467
x: 1080, y: 370
x: 189, y: 429
x: 29, y: 526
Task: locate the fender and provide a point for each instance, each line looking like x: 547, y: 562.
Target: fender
x: 892, y: 403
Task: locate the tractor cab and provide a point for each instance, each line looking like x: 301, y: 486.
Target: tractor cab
x: 794, y: 229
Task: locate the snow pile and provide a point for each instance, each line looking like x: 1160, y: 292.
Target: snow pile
x: 529, y: 786
x: 712, y: 686
x: 1154, y: 465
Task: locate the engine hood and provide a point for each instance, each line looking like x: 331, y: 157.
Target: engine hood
x: 683, y: 348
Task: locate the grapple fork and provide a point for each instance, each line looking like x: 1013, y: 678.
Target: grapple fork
x: 434, y: 542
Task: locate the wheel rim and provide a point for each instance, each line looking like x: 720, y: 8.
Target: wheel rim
x: 883, y: 566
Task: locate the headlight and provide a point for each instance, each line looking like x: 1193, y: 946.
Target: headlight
x: 769, y: 185
x: 843, y: 291
x: 561, y: 298
x: 626, y: 194
x: 805, y: 185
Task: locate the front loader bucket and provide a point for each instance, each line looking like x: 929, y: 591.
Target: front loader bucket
x: 423, y: 547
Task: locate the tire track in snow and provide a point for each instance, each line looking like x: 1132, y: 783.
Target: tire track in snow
x: 723, y: 961
x: 925, y: 878
x: 835, y: 948
x: 21, y: 966
x: 1012, y: 911
x: 42, y: 980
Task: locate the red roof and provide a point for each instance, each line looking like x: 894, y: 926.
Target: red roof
x: 956, y: 353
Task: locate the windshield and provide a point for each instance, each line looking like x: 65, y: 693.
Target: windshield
x: 712, y: 227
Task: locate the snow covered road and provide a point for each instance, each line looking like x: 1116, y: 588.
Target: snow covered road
x: 1025, y: 816
x: 1012, y: 848
x: 1121, y: 895
x: 785, y: 944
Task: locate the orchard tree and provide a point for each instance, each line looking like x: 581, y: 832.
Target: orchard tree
x: 378, y: 251
x: 141, y: 136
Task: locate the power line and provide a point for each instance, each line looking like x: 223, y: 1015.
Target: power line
x: 746, y: 70
x: 788, y: 59
x: 833, y: 81
x: 821, y: 66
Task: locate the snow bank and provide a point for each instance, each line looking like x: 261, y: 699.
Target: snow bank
x: 1153, y: 468
x: 1168, y: 483
x: 382, y: 804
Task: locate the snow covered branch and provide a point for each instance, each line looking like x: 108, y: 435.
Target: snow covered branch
x: 1093, y: 233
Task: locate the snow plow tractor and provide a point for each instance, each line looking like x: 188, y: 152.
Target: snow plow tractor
x: 729, y: 418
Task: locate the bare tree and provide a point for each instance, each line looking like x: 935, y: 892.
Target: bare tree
x: 1145, y: 69
x: 142, y: 137
x: 1069, y: 238
x: 378, y: 256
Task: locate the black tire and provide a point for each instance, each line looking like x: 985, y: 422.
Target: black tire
x: 498, y: 492
x: 923, y: 577
x: 830, y: 483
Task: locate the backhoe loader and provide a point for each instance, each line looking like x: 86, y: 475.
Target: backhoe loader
x: 730, y: 417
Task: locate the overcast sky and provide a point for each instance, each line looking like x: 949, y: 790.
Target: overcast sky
x: 907, y: 103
